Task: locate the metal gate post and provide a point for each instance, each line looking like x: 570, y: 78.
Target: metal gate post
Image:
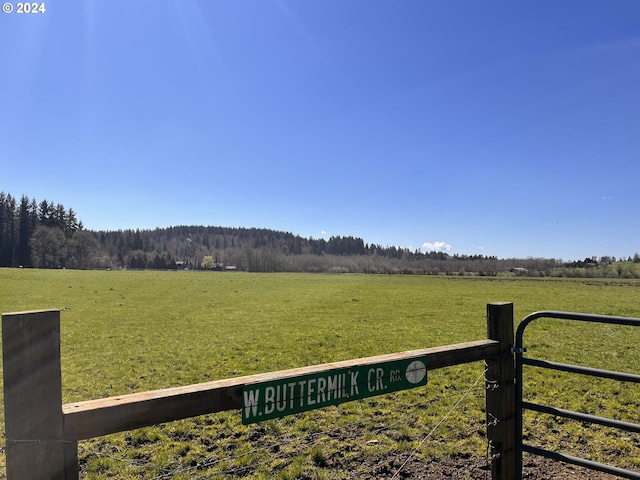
x: 34, y: 421
x: 501, y: 393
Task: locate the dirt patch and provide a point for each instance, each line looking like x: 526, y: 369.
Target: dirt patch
x: 462, y: 467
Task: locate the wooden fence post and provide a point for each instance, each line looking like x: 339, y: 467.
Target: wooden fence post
x: 34, y: 421
x: 501, y: 393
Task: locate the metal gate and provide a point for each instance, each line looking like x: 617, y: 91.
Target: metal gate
x: 522, y: 405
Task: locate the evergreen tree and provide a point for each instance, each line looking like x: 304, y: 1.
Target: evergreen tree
x: 8, y: 236
x: 71, y: 223
x: 4, y: 245
x: 28, y: 221
x: 138, y: 261
x: 45, y: 213
x: 136, y: 243
x: 158, y: 263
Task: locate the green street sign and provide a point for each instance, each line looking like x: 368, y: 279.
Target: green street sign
x: 278, y: 398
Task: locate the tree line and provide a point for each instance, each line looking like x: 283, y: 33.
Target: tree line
x: 48, y: 235
x: 40, y: 234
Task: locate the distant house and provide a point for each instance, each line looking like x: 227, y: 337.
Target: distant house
x: 230, y: 268
x: 519, y: 270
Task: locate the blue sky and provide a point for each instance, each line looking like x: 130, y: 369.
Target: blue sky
x: 496, y: 127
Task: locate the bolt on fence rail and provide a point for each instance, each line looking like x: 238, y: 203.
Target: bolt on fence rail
x: 42, y: 433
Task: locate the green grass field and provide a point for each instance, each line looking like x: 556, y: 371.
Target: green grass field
x: 125, y: 332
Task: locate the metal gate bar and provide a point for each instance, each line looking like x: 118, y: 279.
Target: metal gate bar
x: 600, y: 467
x: 593, y: 372
x: 582, y: 417
x: 521, y: 405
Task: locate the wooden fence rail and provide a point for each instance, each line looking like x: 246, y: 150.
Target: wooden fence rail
x: 42, y: 433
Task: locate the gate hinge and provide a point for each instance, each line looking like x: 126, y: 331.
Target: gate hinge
x: 518, y: 349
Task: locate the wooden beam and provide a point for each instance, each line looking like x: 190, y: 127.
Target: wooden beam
x: 33, y: 397
x: 501, y: 393
x: 115, y: 414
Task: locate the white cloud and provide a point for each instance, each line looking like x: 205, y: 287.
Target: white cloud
x: 323, y: 232
x: 437, y: 246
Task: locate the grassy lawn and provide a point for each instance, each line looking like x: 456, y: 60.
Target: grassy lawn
x: 126, y: 331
